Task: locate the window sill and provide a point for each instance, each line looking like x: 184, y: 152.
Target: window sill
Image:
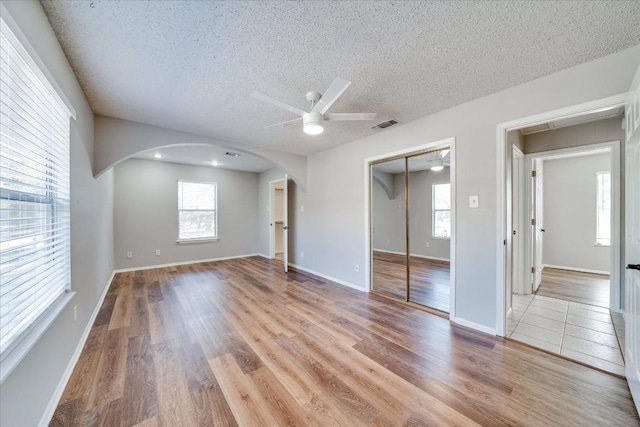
x: 193, y: 241
x: 30, y: 337
x: 441, y: 238
x: 602, y: 245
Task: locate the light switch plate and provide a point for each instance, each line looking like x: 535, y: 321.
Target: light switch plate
x: 473, y: 201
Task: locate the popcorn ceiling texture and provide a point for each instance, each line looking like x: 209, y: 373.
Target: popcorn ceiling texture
x: 191, y: 66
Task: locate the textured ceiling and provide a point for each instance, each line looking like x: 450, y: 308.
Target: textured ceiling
x: 191, y: 66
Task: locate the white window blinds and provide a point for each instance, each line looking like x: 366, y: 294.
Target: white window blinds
x: 34, y: 192
x: 197, y: 210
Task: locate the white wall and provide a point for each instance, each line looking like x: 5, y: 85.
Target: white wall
x: 146, y: 213
x: 570, y: 213
x: 331, y: 230
x: 388, y: 216
x: 25, y: 394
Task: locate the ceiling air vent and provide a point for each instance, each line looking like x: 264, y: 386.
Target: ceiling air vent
x: 385, y: 125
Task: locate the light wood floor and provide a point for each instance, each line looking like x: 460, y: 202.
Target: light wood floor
x: 238, y: 342
x: 429, y: 279
x: 585, y: 288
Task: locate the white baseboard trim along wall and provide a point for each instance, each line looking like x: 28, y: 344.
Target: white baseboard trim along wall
x: 414, y: 255
x: 581, y: 270
x: 57, y: 395
x: 473, y: 325
x: 324, y: 276
x: 195, y: 261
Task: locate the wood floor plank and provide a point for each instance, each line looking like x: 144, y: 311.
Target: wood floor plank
x: 585, y: 288
x: 239, y: 342
x: 111, y: 370
x: 247, y: 405
x: 140, y: 393
x: 174, y: 400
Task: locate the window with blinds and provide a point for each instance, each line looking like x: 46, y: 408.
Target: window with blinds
x: 34, y: 193
x: 197, y: 210
x: 603, y: 209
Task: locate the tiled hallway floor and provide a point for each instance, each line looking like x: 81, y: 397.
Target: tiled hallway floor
x: 581, y: 332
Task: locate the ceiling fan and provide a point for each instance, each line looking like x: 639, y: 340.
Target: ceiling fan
x: 313, y: 120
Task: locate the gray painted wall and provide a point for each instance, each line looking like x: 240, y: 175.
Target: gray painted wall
x: 573, y: 136
x: 570, y: 213
x: 516, y: 139
x: 25, y: 394
x: 388, y: 216
x: 146, y: 213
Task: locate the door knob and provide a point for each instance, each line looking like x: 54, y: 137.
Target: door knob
x: 634, y: 267
x: 285, y: 228
x: 542, y: 229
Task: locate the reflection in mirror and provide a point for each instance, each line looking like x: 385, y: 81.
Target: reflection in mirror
x: 429, y: 229
x: 388, y: 229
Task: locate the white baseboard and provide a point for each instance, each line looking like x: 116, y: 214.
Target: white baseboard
x: 414, y: 255
x: 324, y: 276
x: 264, y: 256
x: 578, y: 269
x: 173, y: 264
x: 472, y: 325
x: 429, y: 257
x: 57, y: 395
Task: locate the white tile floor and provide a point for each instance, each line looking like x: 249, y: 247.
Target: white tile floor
x: 582, y: 332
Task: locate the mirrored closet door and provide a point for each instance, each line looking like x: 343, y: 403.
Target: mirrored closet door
x: 388, y: 229
x: 411, y: 228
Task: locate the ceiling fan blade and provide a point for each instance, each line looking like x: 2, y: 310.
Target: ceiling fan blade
x: 334, y: 117
x: 264, y: 98
x: 283, y: 124
x: 330, y: 96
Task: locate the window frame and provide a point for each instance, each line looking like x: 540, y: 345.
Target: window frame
x: 40, y: 319
x: 599, y: 174
x: 216, y: 237
x: 434, y: 210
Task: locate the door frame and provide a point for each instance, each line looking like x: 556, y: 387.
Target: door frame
x: 613, y: 149
x: 272, y: 227
x: 368, y: 265
x: 519, y: 223
x: 504, y: 235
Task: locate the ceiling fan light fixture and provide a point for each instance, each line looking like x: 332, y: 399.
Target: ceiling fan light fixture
x: 437, y: 165
x: 312, y: 123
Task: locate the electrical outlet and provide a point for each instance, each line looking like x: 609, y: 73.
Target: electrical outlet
x: 301, y: 208
x: 428, y: 244
x: 129, y: 254
x: 473, y: 201
x: 75, y: 313
x: 357, y: 267
x: 301, y: 254
x: 388, y: 241
x: 157, y: 252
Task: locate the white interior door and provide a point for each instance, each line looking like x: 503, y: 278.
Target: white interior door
x: 632, y: 255
x: 537, y: 229
x: 285, y: 224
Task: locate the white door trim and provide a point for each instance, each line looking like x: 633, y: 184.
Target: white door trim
x: 518, y: 223
x: 272, y: 227
x: 612, y: 148
x: 448, y: 142
x: 501, y: 140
